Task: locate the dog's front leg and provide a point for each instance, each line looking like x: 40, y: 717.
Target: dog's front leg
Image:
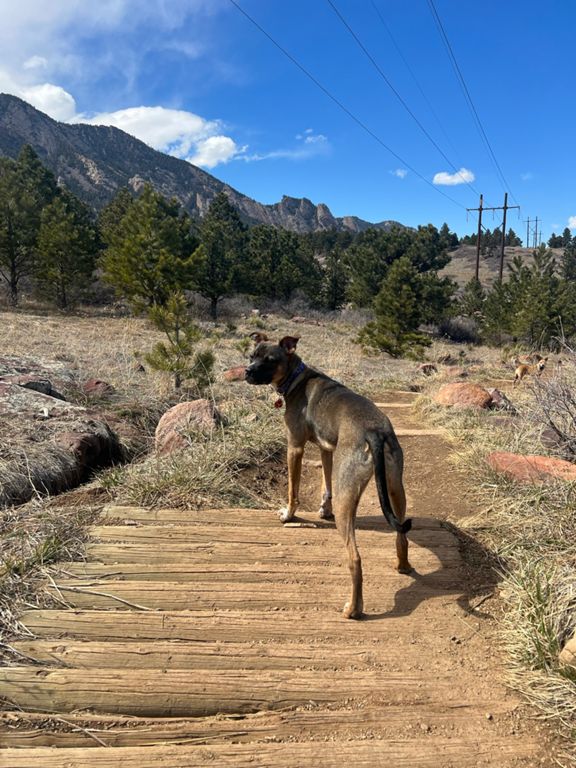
x: 295, y: 453
x: 325, y: 510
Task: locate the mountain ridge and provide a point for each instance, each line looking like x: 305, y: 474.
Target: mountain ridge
x: 95, y: 161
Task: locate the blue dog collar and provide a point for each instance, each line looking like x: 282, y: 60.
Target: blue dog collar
x: 285, y: 388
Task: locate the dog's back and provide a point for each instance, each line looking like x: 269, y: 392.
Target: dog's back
x: 334, y: 413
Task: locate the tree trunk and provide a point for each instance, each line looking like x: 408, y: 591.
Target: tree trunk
x: 13, y: 290
x: 214, y: 309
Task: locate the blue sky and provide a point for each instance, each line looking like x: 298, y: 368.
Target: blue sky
x: 197, y: 79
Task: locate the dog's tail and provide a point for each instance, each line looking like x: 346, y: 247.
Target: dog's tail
x: 376, y: 441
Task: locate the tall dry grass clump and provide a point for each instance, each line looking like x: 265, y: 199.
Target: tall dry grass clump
x: 211, y: 471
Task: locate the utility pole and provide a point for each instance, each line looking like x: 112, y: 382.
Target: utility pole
x: 536, y: 234
x: 528, y: 233
x: 481, y: 208
x: 501, y: 271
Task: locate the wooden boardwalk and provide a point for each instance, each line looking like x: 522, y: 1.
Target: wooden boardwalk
x: 214, y: 638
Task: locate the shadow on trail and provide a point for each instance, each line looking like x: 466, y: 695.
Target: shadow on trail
x: 472, y: 577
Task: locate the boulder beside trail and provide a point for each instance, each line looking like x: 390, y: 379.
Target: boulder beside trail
x: 568, y: 653
x: 96, y: 388
x: 181, y: 423
x: 531, y: 468
x: 235, y: 374
x: 463, y: 395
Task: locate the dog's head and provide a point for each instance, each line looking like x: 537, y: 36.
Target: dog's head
x: 541, y: 364
x: 269, y: 362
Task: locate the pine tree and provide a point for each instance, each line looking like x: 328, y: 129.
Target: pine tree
x: 555, y: 241
x: 149, y: 256
x: 398, y: 312
x: 472, y: 301
x: 367, y: 261
x: 218, y: 260
x: 567, y: 291
x: 112, y: 215
x: 498, y: 308
x: 334, y: 282
x: 534, y: 297
x: 512, y: 238
x: 177, y: 355
x: 66, y: 250
x: 26, y: 187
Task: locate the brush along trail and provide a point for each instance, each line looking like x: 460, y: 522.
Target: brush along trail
x: 215, y: 638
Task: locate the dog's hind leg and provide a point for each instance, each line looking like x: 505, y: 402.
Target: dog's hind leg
x: 326, y: 503
x: 350, y: 479
x: 397, y: 495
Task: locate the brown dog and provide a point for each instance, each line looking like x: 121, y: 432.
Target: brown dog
x: 525, y: 369
x: 355, y: 439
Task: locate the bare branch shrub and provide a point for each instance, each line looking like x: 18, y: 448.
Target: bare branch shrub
x: 554, y: 407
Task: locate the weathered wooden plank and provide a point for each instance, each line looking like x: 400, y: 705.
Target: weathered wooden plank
x: 178, y: 597
x: 224, y: 626
x: 292, y: 554
x: 181, y: 693
x: 429, y: 432
x: 205, y: 655
x: 186, y: 572
x: 27, y: 730
x: 305, y: 593
x: 253, y: 518
x: 417, y: 752
x: 158, y: 535
x: 393, y: 405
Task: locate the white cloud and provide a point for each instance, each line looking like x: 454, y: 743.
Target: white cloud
x: 47, y: 97
x: 309, y: 145
x: 52, y: 99
x: 400, y: 173
x: 463, y: 176
x: 318, y: 138
x: 36, y: 62
x: 175, y: 131
x: 214, y: 151
x: 572, y: 222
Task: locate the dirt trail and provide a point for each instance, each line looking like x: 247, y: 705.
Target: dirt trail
x: 215, y: 638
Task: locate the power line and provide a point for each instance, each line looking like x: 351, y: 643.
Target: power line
x: 396, y: 93
x: 345, y: 109
x: 467, y: 95
x: 413, y: 75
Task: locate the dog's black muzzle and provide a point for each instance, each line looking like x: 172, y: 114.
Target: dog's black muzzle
x: 259, y: 374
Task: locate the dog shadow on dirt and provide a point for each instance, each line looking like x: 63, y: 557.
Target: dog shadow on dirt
x: 471, y: 574
x: 467, y: 570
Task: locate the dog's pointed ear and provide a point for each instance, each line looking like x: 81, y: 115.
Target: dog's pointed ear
x: 258, y: 337
x: 288, y: 344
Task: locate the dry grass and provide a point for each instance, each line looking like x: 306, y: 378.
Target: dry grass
x: 212, y: 471
x: 33, y: 536
x: 532, y: 530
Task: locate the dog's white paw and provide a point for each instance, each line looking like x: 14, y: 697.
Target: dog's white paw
x: 285, y: 514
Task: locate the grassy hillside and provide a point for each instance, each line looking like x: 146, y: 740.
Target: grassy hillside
x: 461, y: 268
